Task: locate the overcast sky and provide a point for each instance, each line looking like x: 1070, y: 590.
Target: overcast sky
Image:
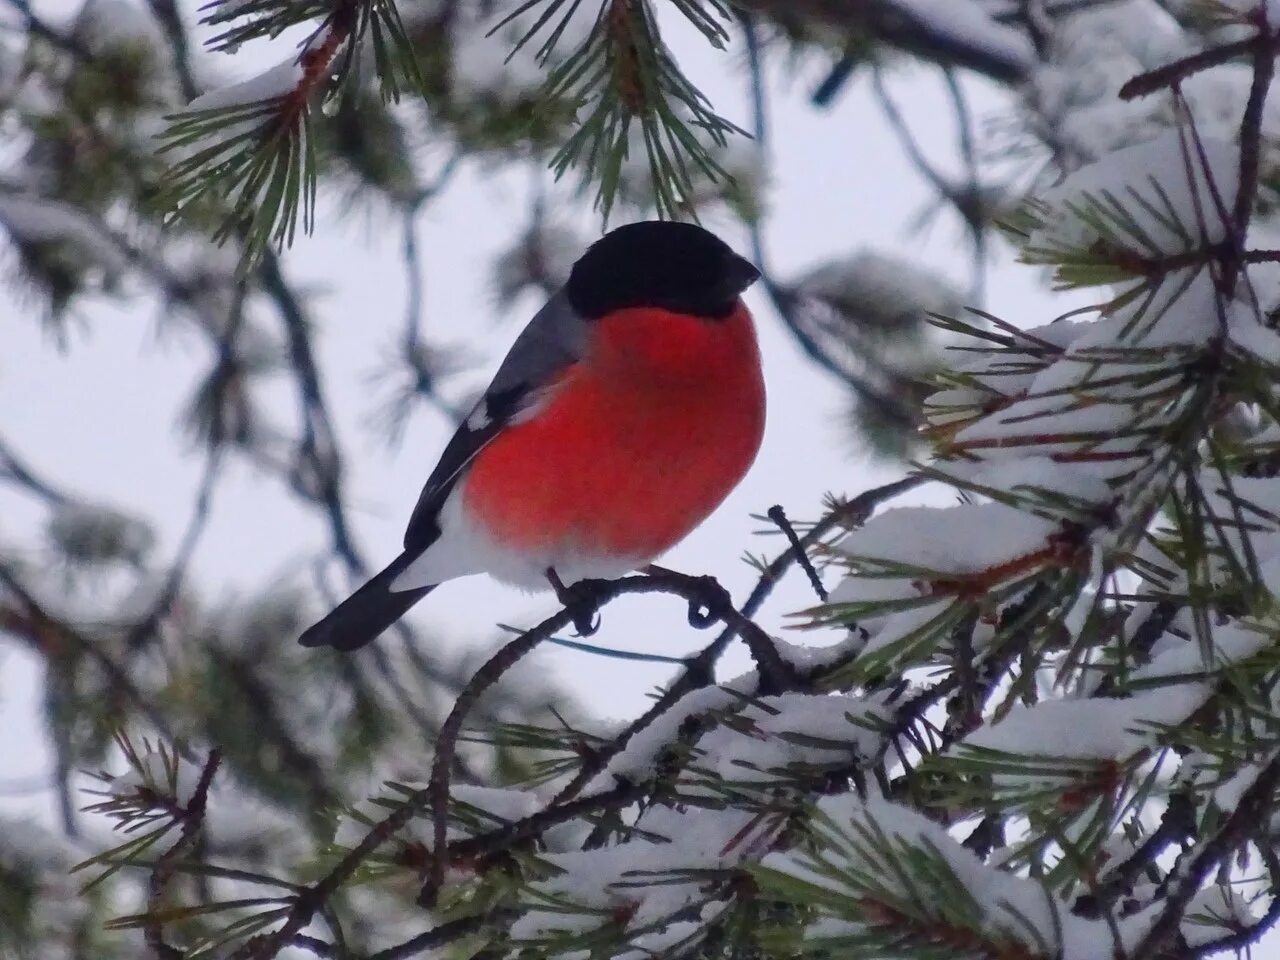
x: 100, y: 418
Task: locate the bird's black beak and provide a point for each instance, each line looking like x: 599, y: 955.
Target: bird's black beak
x: 740, y: 273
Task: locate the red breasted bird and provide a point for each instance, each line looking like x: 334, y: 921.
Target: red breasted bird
x: 627, y: 409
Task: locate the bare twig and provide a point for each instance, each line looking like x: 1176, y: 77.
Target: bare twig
x: 1264, y: 67
x: 1174, y: 73
x: 779, y: 517
x: 434, y: 938
x: 12, y: 468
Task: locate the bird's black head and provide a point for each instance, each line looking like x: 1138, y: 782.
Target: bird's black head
x: 659, y: 263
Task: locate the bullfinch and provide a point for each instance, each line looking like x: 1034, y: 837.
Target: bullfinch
x: 625, y: 412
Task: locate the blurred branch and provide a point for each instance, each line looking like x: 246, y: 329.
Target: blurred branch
x: 898, y: 25
x: 42, y: 29
x: 147, y: 626
x: 269, y: 725
x: 170, y: 19
x: 1172, y: 74
x: 318, y: 450
x: 12, y: 468
x: 40, y: 628
x: 969, y: 199
x: 969, y: 203
x: 192, y: 818
x: 785, y: 301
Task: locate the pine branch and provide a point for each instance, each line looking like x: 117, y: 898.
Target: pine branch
x: 255, y: 154
x: 635, y: 97
x: 776, y: 675
x: 1250, y: 812
x: 41, y: 628
x: 192, y: 820
x: 699, y: 671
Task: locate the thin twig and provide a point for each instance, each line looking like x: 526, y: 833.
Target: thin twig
x: 1172, y: 74
x: 779, y: 517
x: 1264, y: 67
x: 434, y: 938
x: 145, y: 628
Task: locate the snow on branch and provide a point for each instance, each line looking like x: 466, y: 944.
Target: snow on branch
x: 1044, y: 725
x: 883, y: 879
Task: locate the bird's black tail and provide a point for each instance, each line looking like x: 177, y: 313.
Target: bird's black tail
x: 365, y: 614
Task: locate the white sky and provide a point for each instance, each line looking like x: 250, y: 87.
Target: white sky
x: 101, y: 418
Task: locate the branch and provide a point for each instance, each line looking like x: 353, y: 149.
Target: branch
x: 162, y: 871
x: 1253, y: 810
x: 779, y: 517
x: 1264, y: 67
x: 699, y: 670
x: 14, y: 469
x: 433, y: 938
x: 897, y: 25
x: 40, y: 627
x: 167, y: 13
x: 704, y: 591
x: 696, y: 590
x: 1172, y: 74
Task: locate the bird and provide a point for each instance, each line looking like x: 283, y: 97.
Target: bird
x: 625, y: 412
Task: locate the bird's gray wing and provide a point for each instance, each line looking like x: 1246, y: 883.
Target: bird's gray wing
x: 552, y: 341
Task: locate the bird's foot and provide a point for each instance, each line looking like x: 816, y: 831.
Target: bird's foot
x: 581, y: 599
x: 708, y: 600
x: 709, y: 609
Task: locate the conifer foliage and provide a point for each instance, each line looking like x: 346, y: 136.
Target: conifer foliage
x: 1038, y: 722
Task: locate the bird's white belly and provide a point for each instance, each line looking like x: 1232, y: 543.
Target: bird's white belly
x: 465, y: 548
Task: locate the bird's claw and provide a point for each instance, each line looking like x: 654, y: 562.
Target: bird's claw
x: 586, y: 620
x: 581, y: 600
x: 699, y: 617
x: 703, y: 614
